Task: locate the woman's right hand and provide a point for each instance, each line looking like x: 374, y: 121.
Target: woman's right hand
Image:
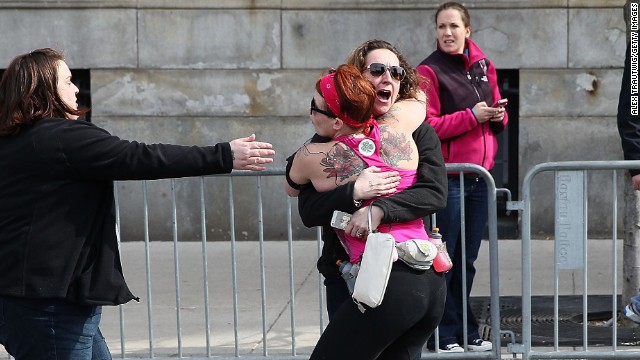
x: 249, y: 154
x: 373, y: 183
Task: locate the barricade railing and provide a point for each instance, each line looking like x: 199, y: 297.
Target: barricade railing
x: 571, y: 253
x: 235, y: 346
x: 494, y: 274
x: 125, y: 326
x: 178, y: 316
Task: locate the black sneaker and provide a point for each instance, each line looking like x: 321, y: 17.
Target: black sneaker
x: 480, y: 345
x: 451, y: 348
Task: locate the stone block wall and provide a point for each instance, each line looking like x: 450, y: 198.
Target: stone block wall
x: 202, y: 72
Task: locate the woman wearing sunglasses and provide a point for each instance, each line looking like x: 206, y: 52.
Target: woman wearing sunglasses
x: 423, y: 198
x: 411, y: 308
x: 462, y: 112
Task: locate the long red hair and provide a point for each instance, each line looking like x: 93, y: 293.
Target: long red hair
x: 355, y: 94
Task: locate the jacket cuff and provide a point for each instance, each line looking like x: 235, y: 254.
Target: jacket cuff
x: 227, y: 159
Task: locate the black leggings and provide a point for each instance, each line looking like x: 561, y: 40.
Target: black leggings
x: 397, y: 329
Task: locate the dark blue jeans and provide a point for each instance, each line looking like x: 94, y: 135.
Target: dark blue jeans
x: 450, y: 222
x: 51, y: 329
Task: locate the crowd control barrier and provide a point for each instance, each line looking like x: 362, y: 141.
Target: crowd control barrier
x: 235, y: 299
x: 574, y: 262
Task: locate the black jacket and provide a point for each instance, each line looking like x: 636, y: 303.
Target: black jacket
x: 423, y: 198
x: 57, y: 215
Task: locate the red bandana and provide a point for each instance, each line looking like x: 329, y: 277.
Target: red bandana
x: 330, y: 95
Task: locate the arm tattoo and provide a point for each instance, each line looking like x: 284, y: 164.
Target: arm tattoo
x: 342, y: 163
x: 395, y: 147
x: 389, y: 116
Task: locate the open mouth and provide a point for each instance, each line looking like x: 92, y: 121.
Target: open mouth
x: 383, y: 95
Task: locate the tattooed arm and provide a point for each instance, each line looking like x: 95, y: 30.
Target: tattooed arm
x: 326, y: 165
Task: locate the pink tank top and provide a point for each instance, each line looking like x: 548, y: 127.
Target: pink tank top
x: 368, y: 148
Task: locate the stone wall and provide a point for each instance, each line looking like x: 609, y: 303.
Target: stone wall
x: 201, y: 72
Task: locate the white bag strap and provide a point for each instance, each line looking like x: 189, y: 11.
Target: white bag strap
x: 369, y: 221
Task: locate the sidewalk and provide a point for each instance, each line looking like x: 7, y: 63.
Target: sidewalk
x: 306, y: 291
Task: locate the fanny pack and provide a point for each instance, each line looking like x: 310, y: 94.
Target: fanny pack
x: 417, y: 254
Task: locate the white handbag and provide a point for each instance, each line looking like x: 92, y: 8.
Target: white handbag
x: 375, y: 269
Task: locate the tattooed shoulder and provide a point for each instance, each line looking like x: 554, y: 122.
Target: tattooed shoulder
x: 396, y: 148
x: 342, y: 163
x: 389, y: 115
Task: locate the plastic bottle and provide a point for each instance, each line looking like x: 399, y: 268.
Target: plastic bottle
x: 442, y: 261
x: 345, y: 268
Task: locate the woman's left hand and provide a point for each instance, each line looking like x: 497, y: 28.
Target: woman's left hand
x: 372, y: 182
x: 499, y: 115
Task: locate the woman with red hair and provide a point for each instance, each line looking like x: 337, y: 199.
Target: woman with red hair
x: 414, y: 299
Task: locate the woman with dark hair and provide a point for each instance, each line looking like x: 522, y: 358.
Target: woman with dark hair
x: 423, y: 198
x: 413, y: 302
x: 357, y: 145
x: 59, y: 256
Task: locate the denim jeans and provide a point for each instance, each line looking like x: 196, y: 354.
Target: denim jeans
x: 635, y: 303
x: 449, y: 222
x: 51, y: 329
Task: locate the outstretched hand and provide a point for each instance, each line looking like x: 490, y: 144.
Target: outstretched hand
x: 249, y: 154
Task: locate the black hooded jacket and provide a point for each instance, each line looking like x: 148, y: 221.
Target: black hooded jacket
x: 423, y: 198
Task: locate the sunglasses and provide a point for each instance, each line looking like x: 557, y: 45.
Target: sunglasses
x: 314, y: 107
x: 378, y: 69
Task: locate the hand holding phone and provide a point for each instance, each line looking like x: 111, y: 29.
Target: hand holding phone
x: 501, y: 103
x: 340, y: 219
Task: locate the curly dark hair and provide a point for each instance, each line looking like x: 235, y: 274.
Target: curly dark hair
x: 412, y: 82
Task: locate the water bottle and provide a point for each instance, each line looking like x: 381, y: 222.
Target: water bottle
x: 442, y: 261
x: 345, y: 268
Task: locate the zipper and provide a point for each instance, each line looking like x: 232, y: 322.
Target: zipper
x: 473, y: 85
x: 484, y: 139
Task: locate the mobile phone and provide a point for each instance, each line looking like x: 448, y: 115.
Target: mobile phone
x: 501, y: 103
x: 340, y: 219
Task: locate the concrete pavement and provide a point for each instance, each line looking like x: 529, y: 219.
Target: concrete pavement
x: 253, y: 336
x: 307, y: 292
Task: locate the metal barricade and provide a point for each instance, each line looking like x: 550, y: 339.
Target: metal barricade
x: 496, y: 334
x: 196, y: 310
x: 236, y: 343
x: 571, y: 252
